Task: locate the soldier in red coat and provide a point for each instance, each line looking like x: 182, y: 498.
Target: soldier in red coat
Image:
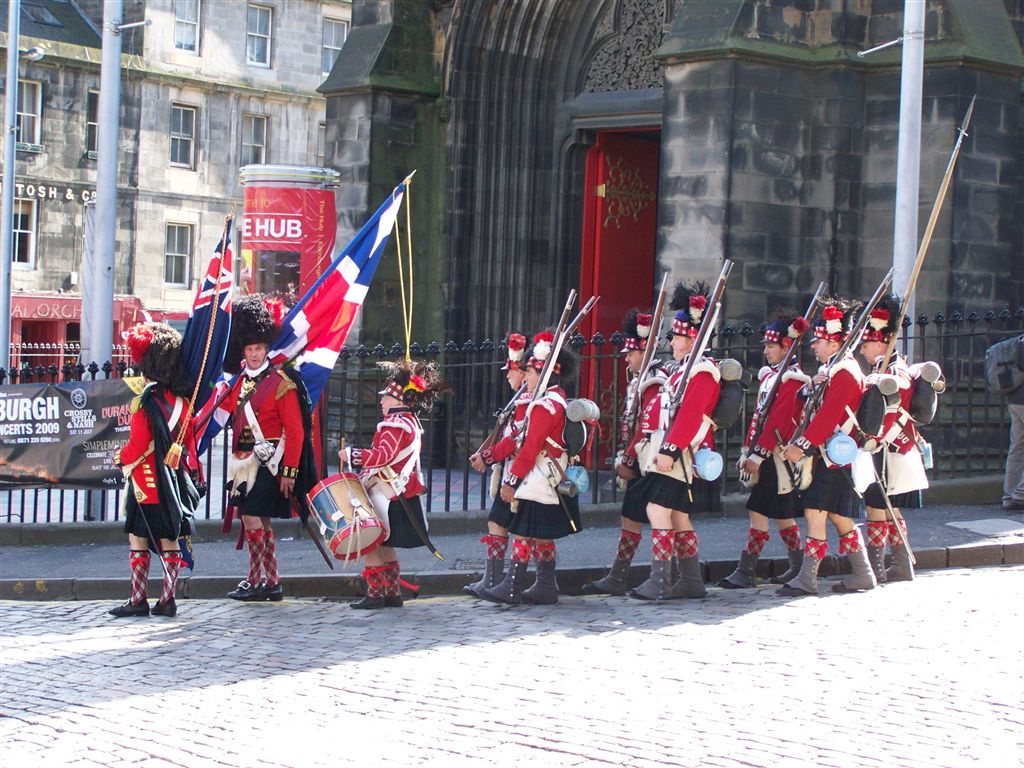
x: 897, y: 458
x: 541, y: 513
x: 830, y: 495
x: 267, y: 439
x: 636, y: 330
x: 497, y: 455
x: 773, y: 496
x: 390, y: 471
x: 684, y: 426
x: 158, y: 503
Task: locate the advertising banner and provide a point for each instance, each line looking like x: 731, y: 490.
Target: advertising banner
x: 287, y: 239
x: 64, y: 435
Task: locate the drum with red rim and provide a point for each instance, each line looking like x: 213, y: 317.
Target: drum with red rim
x: 345, y: 515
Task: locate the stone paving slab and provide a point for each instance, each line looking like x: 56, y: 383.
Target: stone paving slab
x: 926, y: 673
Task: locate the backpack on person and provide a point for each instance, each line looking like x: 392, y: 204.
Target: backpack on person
x: 1004, y: 367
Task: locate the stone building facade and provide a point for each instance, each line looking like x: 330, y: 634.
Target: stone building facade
x: 597, y: 145
x: 208, y: 87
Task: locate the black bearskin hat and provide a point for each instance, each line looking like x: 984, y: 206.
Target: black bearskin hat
x: 155, y: 350
x: 882, y: 322
x: 786, y: 325
x: 636, y: 329
x: 543, y: 343
x: 690, y: 303
x: 837, y: 318
x: 254, y: 320
x: 416, y: 384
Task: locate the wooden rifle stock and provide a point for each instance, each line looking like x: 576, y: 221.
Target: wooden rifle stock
x: 765, y: 407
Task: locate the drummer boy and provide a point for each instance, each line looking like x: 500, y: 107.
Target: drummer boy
x: 390, y: 471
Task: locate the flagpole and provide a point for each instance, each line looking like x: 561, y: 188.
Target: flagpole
x: 173, y: 457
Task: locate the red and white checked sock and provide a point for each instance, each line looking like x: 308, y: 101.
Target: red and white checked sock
x: 521, y: 550
x: 755, y: 541
x: 497, y: 546
x: 390, y: 577
x: 628, y: 543
x: 686, y: 544
x: 850, y: 542
x: 878, y: 533
x: 816, y: 548
x: 544, y: 552
x: 374, y: 575
x: 662, y: 543
x: 791, y: 536
x: 270, y: 558
x: 894, y: 534
x: 138, y: 561
x: 172, y: 566
x: 254, y: 539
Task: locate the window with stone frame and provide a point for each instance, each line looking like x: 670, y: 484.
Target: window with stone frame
x: 27, y: 127
x: 183, y: 135
x: 178, y: 255
x: 258, y: 25
x: 335, y: 32
x: 92, y: 121
x: 254, y: 139
x: 24, y: 230
x: 186, y: 25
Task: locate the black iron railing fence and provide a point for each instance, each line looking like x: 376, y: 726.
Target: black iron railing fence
x: 968, y: 437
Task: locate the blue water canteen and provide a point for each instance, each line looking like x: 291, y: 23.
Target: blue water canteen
x: 708, y: 464
x: 579, y: 477
x: 841, y: 449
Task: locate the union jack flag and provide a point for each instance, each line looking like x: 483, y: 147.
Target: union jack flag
x: 217, y: 286
x: 315, y: 329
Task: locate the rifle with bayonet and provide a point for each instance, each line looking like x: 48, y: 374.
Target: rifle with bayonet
x: 633, y: 398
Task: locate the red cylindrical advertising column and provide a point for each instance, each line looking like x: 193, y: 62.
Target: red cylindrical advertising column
x: 287, y: 236
x: 287, y: 230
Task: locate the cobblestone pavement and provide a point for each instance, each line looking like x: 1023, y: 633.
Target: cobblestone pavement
x: 926, y: 674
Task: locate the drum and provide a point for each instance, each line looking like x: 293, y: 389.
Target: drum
x: 346, y: 517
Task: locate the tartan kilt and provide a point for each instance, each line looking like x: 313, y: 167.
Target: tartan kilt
x: 832, y: 491
x: 534, y: 520
x: 634, y: 501
x: 403, y: 535
x: 668, y: 492
x: 766, y: 499
x: 501, y: 513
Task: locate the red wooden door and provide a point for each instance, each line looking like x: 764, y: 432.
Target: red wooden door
x: 618, y: 252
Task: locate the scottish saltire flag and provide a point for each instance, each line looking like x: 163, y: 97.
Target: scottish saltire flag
x: 315, y: 329
x: 212, y: 302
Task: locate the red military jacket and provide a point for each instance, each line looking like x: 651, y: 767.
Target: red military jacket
x: 140, y: 440
x: 395, y: 443
x: 650, y: 411
x: 276, y: 404
x: 698, y: 401
x: 783, y: 416
x: 506, y: 446
x: 842, y: 396
x: 898, y: 429
x: 543, y: 433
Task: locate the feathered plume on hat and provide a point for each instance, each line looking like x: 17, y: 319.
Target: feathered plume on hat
x: 254, y: 320
x: 543, y: 344
x: 883, y: 319
x: 691, y: 302
x: 155, y: 350
x: 636, y: 330
x: 785, y: 328
x: 416, y: 383
x: 837, y: 318
x: 516, y: 347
